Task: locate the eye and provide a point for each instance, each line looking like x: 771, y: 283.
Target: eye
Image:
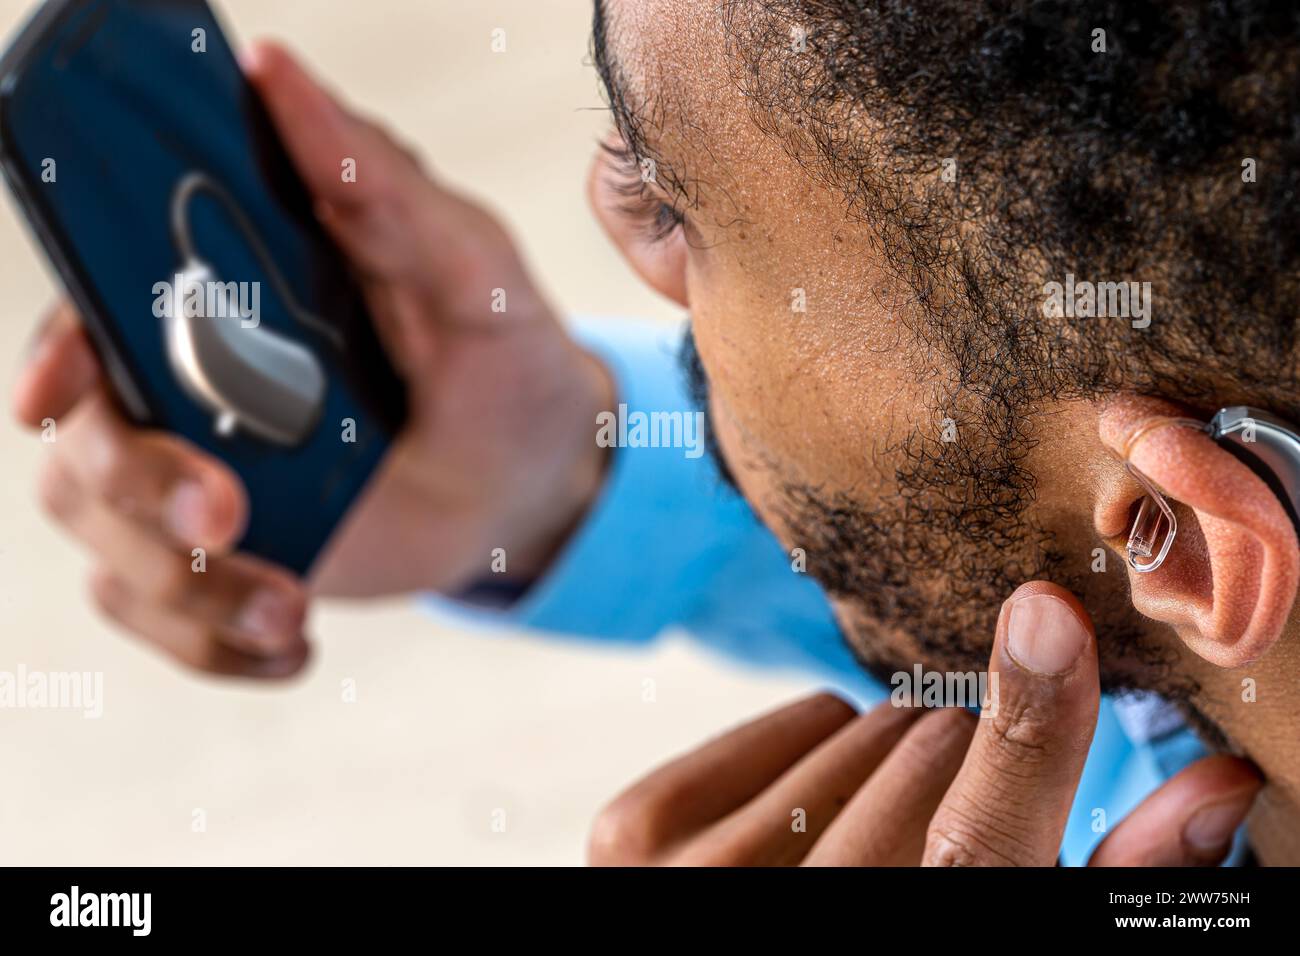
x: 638, y: 197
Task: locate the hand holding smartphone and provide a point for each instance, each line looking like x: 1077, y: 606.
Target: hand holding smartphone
x: 497, y: 453
x: 151, y: 175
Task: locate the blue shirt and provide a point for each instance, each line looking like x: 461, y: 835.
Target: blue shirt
x: 668, y: 546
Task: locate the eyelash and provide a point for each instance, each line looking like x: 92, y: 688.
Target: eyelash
x: 659, y: 219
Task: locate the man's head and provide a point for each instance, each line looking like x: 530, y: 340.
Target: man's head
x: 946, y: 262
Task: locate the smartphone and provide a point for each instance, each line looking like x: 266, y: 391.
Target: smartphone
x: 151, y: 175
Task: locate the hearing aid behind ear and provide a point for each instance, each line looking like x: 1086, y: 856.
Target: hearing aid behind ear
x: 1267, y: 445
x: 249, y: 376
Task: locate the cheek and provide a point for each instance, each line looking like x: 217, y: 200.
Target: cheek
x: 798, y: 397
x: 757, y: 479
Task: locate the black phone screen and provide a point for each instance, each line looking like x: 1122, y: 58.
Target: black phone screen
x: 151, y: 163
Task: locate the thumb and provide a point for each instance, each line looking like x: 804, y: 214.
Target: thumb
x: 1010, y: 800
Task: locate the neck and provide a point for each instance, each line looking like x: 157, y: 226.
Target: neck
x: 1262, y: 720
x: 1274, y: 827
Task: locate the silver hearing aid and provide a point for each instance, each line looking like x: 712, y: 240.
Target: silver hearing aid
x: 1267, y: 445
x: 250, y: 377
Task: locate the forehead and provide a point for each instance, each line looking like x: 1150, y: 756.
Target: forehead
x: 676, y: 70
x: 669, y: 65
x: 654, y: 39
x: 771, y: 230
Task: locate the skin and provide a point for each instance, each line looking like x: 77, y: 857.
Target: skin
x: 818, y: 398
x: 825, y: 398
x: 140, y: 500
x: 900, y: 787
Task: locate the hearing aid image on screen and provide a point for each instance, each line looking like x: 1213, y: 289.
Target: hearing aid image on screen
x: 250, y: 377
x: 237, y: 321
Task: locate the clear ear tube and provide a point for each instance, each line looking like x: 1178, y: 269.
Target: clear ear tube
x: 1155, y: 526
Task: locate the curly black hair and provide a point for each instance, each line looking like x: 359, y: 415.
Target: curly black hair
x: 1131, y: 140
x: 989, y: 147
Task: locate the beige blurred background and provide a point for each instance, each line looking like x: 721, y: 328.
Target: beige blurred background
x: 451, y: 730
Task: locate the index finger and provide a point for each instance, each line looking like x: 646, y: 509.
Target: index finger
x: 368, y: 211
x: 1009, y: 803
x: 60, y: 370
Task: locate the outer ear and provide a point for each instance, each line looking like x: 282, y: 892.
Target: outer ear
x: 661, y: 263
x: 1228, y: 583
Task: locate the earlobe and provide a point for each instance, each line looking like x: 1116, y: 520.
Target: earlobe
x: 1230, y: 579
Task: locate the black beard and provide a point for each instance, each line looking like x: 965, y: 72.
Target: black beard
x: 925, y: 572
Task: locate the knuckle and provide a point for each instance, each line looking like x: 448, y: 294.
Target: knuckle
x: 57, y: 494
x: 171, y: 581
x: 409, y: 154
x: 1024, y: 733
x: 111, y: 469
x: 397, y: 145
x: 950, y: 848
x: 109, y: 595
x: 953, y: 841
x: 390, y: 193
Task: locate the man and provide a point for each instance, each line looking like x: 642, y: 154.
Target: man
x: 922, y: 174
x: 865, y: 207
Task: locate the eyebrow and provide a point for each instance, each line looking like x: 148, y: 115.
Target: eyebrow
x: 628, y: 117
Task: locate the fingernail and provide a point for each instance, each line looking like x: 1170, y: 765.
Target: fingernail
x: 187, y: 512
x: 1210, y: 828
x: 269, y: 619
x: 1044, y: 635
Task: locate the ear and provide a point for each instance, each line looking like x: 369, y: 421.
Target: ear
x: 660, y: 262
x: 1230, y: 579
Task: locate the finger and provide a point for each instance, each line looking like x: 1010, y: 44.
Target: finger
x: 1009, y: 803
x: 885, y: 823
x: 253, y: 605
x: 689, y: 793
x: 400, y: 231
x: 368, y: 212
x: 1189, y: 821
x: 780, y: 825
x: 59, y: 371
x: 188, y: 641
x: 160, y: 480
